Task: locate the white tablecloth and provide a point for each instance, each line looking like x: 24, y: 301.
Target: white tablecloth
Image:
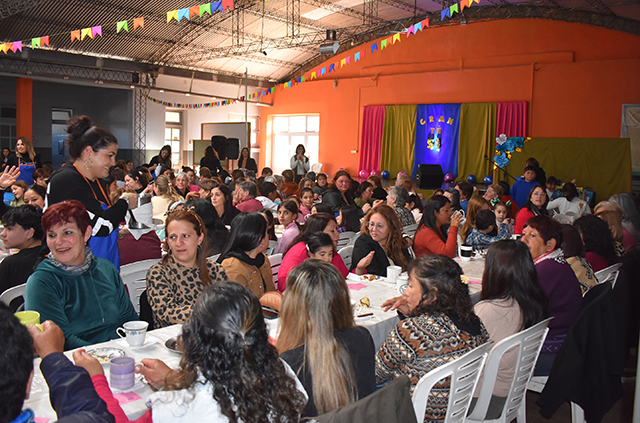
x: 39, y: 399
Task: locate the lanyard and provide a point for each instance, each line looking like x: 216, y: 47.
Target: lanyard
x: 91, y: 186
x: 32, y: 164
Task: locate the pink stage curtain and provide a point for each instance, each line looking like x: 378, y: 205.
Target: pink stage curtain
x: 372, y: 124
x: 512, y: 118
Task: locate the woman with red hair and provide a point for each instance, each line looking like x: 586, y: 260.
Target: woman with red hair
x: 81, y: 293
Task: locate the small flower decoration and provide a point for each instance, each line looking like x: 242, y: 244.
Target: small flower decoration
x: 501, y: 161
x: 501, y: 139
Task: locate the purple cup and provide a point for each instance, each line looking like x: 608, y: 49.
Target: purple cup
x: 122, y: 374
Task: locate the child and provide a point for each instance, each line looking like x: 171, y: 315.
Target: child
x: 348, y: 219
x: 321, y: 184
x: 306, y: 198
x: 287, y: 215
x: 321, y: 208
x: 485, y: 231
x: 300, y: 218
x: 320, y: 246
x: 521, y: 188
x: 500, y: 211
x: 268, y: 215
x: 17, y: 189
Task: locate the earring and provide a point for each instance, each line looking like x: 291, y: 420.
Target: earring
x: 85, y: 164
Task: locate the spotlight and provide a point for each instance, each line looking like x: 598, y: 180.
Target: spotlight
x: 330, y: 47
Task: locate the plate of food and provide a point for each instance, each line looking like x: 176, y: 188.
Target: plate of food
x: 105, y: 355
x: 369, y: 278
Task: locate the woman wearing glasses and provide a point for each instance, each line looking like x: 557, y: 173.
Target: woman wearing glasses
x: 380, y: 244
x: 536, y: 205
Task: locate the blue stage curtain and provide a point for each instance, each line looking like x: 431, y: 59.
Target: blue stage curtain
x: 437, y: 133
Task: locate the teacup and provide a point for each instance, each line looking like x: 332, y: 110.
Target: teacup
x: 135, y: 332
x: 29, y: 317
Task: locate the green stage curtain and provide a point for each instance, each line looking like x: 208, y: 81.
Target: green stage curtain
x: 603, y: 164
x: 477, y: 139
x: 398, y: 138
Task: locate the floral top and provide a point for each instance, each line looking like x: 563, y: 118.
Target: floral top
x: 173, y: 289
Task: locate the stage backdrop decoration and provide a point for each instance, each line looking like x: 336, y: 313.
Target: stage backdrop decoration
x: 398, y: 136
x: 477, y: 138
x: 372, y: 124
x: 437, y: 131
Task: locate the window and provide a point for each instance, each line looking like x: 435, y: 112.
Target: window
x: 173, y: 135
x: 287, y: 133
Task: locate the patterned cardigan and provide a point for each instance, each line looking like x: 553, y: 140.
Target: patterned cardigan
x: 173, y: 289
x: 420, y: 344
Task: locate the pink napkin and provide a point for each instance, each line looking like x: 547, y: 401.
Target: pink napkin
x: 41, y: 419
x: 478, y: 282
x: 356, y: 286
x: 125, y: 397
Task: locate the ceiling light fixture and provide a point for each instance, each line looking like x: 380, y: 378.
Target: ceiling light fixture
x: 330, y: 47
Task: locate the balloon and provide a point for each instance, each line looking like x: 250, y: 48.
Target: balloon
x: 488, y: 179
x: 374, y: 173
x: 472, y: 179
x: 385, y: 174
x: 449, y: 177
x: 364, y: 174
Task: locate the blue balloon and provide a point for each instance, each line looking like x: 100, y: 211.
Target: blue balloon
x: 385, y: 174
x: 472, y: 179
x: 488, y: 180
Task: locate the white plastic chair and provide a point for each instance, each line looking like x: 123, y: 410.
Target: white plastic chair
x: 607, y: 273
x: 13, y: 293
x: 134, y: 276
x: 344, y: 238
x: 346, y: 253
x: 410, y: 230
x: 528, y: 343
x: 316, y: 168
x: 272, y: 246
x: 276, y: 261
x: 464, y: 372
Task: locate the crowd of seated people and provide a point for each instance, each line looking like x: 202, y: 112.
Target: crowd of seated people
x: 215, y: 275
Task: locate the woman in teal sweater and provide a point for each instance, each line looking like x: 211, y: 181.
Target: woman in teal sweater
x: 82, y: 294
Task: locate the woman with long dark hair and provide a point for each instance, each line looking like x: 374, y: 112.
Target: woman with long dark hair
x: 242, y: 257
x: 246, y: 162
x: 298, y: 252
x: 162, y: 159
x: 319, y: 339
x: 299, y: 163
x: 511, y: 301
x: 431, y: 236
x: 440, y: 326
x: 338, y: 194
x: 222, y: 201
x: 569, y: 202
x: 536, y: 205
x: 211, y: 161
x: 598, y: 242
x: 229, y: 372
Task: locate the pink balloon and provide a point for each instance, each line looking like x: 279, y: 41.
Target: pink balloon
x: 374, y: 173
x: 364, y: 174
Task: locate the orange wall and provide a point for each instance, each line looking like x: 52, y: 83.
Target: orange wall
x: 24, y: 108
x: 574, y: 76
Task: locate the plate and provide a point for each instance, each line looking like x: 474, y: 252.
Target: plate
x: 105, y: 355
x: 174, y: 344
x: 369, y: 278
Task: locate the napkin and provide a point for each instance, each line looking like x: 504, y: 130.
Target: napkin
x: 143, y: 214
x: 356, y: 286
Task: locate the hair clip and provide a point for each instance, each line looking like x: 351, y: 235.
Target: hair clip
x: 494, y: 201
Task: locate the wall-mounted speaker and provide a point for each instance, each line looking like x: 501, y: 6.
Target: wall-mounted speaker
x: 232, y: 148
x: 219, y: 143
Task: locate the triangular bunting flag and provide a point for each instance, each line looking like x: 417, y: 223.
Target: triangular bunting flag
x: 273, y: 90
x: 35, y: 42
x: 138, y: 23
x: 425, y: 23
x: 396, y: 37
x: 323, y: 71
x: 2, y: 46
x: 348, y: 60
x: 361, y: 54
x: 332, y: 67
x: 445, y: 12
x: 7, y: 47
x: 183, y: 13
x: 463, y: 4
x: 471, y: 2
x: 302, y: 79
x: 417, y: 27
x: 173, y: 14
x: 356, y: 57
x: 313, y: 75
x: 374, y: 46
x: 122, y: 25
x: 290, y: 84
x: 85, y: 32
x: 96, y: 30
x: 205, y: 8
x: 216, y: 6
x: 75, y: 35
x: 194, y: 10
x: 44, y: 40
x: 454, y: 9
x: 17, y: 45
x: 410, y: 30
x: 227, y: 4
x: 383, y: 44
x: 343, y: 62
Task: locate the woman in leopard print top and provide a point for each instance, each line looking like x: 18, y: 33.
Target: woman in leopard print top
x: 174, y: 284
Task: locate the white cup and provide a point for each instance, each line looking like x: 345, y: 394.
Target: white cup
x: 393, y: 272
x: 135, y: 332
x: 466, y: 251
x: 401, y: 283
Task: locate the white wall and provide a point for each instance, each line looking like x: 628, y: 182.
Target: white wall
x: 192, y: 117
